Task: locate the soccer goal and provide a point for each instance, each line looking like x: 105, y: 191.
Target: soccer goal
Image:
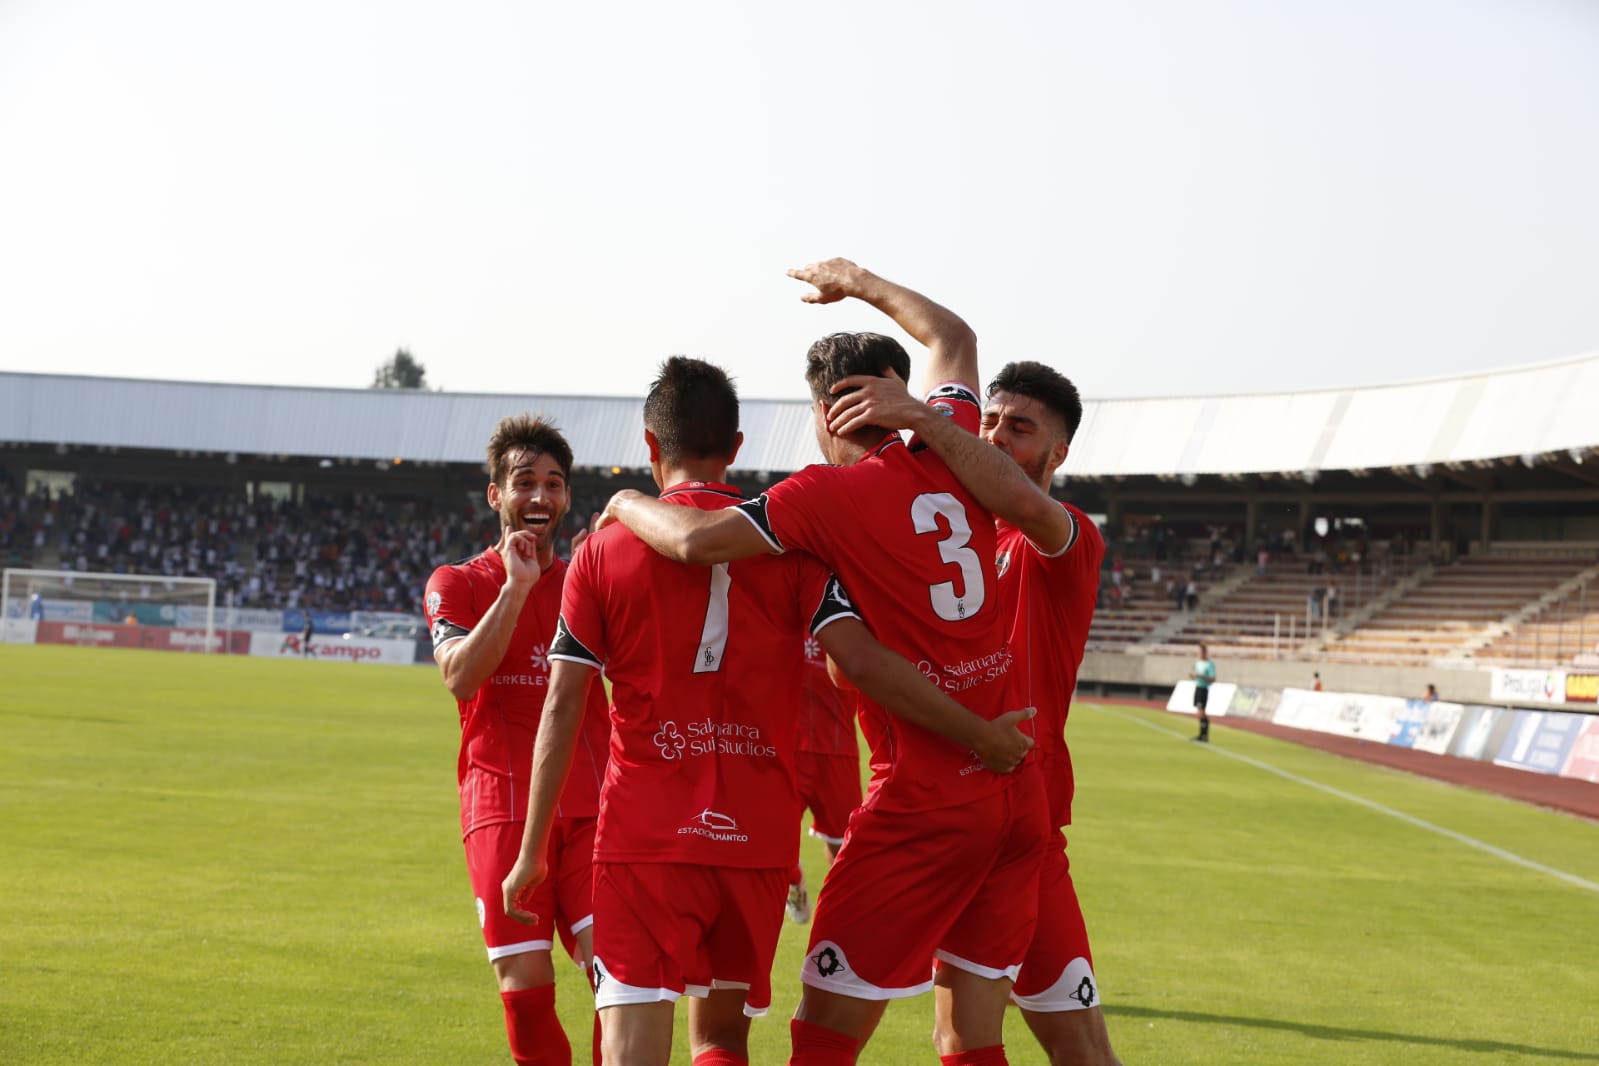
x: 88, y: 597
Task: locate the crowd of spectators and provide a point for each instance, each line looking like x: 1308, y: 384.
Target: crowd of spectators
x: 337, y: 552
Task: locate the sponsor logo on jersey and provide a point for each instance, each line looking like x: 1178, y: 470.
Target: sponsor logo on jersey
x: 707, y: 737
x: 670, y: 741
x: 540, y: 658
x: 813, y: 651
x: 968, y: 673
x: 714, y: 825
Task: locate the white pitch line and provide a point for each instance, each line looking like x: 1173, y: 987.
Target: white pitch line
x: 1473, y: 842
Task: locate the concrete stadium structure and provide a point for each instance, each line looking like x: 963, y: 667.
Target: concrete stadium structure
x: 1504, y: 464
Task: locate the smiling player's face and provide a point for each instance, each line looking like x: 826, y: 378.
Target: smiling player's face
x: 535, y: 496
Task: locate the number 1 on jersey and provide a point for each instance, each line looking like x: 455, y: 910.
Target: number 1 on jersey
x: 713, y: 635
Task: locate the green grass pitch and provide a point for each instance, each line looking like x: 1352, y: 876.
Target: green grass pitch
x: 229, y: 860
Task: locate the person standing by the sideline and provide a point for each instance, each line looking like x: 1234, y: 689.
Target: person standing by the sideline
x: 1204, y: 674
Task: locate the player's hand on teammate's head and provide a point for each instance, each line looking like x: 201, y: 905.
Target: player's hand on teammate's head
x: 834, y: 280
x: 1007, y: 745
x: 883, y: 401
x: 518, y: 886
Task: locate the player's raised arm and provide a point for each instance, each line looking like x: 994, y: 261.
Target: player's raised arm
x: 686, y: 534
x: 950, y: 342
x: 987, y: 472
x: 466, y: 661
x: 552, y: 762
x: 891, y: 682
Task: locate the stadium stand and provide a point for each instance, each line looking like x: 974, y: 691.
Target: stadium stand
x: 1407, y: 500
x: 339, y: 551
x: 1452, y: 608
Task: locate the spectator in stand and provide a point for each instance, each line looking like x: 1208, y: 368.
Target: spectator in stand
x: 1191, y: 595
x: 1432, y: 693
x: 1315, y: 682
x: 1262, y: 561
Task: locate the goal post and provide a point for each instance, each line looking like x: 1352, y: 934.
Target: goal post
x: 92, y: 597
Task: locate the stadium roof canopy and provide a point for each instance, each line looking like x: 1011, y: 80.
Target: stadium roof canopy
x: 1548, y: 410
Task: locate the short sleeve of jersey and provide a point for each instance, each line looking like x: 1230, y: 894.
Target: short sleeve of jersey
x: 834, y: 603
x: 1071, y: 538
x: 580, y: 630
x: 955, y: 399
x: 794, y: 514
x: 448, y: 605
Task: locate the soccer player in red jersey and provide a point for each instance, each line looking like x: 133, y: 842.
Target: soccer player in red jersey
x: 828, y: 764
x: 492, y: 619
x: 699, y: 812
x: 1048, y: 574
x: 942, y: 859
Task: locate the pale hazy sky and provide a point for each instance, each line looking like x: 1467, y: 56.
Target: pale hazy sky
x: 1159, y: 198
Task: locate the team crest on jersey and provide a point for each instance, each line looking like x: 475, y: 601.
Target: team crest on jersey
x: 434, y: 601
x: 1002, y: 563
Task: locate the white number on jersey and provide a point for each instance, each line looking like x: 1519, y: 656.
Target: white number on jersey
x: 713, y: 636
x: 925, y: 510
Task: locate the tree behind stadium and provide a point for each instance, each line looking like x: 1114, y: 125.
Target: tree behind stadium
x: 400, y: 372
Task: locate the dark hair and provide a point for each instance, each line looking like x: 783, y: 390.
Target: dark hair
x: 692, y: 408
x: 1046, y: 385
x: 839, y: 355
x: 536, y: 435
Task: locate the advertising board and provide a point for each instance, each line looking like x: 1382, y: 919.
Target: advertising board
x: 349, y: 650
x: 1540, y: 741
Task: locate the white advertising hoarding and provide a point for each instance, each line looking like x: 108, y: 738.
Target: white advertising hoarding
x: 349, y: 649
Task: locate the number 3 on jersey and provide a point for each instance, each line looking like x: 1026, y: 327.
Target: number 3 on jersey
x: 925, y: 510
x: 713, y: 635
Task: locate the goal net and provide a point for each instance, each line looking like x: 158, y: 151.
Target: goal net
x: 87, y: 598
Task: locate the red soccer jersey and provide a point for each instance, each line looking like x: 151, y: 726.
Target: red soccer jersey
x: 827, y: 718
x: 500, y: 721
x: 1050, y: 601
x: 706, y: 667
x: 916, y: 552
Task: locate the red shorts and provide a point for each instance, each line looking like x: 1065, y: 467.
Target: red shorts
x: 562, y: 902
x: 958, y: 884
x: 1058, y: 973
x: 670, y: 929
x: 830, y: 785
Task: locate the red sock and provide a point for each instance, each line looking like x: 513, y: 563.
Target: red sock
x: 797, y: 875
x: 816, y: 1046
x: 983, y: 1056
x: 597, y: 1055
x: 533, y: 1029
x: 716, y: 1056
